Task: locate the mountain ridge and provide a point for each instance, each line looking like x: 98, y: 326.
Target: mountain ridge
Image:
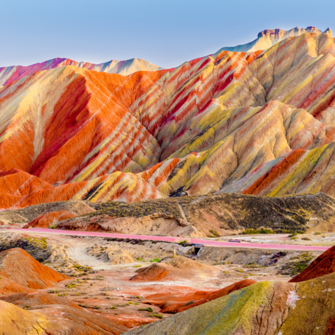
x: 124, y: 67
x: 254, y: 123
x: 268, y: 37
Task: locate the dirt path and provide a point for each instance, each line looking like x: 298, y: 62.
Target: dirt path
x: 77, y: 251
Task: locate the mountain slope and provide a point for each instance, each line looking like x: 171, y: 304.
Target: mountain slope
x: 267, y: 307
x: 256, y: 123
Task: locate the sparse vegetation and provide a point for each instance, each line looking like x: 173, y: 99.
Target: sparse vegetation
x: 53, y: 291
x: 62, y: 294
x: 293, y: 235
x: 297, y: 264
x: 83, y: 305
x: 155, y: 260
x: 138, y: 209
x: 253, y: 265
x: 146, y: 309
x: 82, y: 268
x: 250, y: 231
x: 214, y: 233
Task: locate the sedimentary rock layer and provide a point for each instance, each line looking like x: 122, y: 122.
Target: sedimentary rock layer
x: 255, y: 123
x: 262, y: 308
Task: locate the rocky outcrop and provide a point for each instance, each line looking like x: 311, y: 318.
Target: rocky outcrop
x: 25, y: 310
x: 263, y: 308
x: 323, y: 265
x: 119, y: 256
x: 199, y: 215
x: 173, y: 268
x: 155, y: 224
x: 50, y: 217
x: 45, y: 314
x: 173, y: 304
x: 20, y: 272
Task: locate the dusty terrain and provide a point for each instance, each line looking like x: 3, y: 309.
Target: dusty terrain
x: 108, y: 277
x: 233, y: 148
x: 304, y: 305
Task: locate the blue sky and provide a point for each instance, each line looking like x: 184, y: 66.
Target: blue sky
x: 164, y: 32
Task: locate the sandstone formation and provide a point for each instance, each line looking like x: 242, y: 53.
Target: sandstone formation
x: 20, y: 272
x: 263, y: 308
x: 119, y: 256
x: 170, y: 303
x: 31, y: 213
x: 242, y: 139
x: 25, y: 310
x: 173, y: 268
x: 49, y: 315
x: 155, y: 224
x: 321, y: 266
x: 52, y: 216
x: 253, y: 123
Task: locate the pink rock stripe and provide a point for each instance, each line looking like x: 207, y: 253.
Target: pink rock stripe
x: 177, y: 239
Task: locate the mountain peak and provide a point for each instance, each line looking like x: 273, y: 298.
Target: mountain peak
x: 268, y: 37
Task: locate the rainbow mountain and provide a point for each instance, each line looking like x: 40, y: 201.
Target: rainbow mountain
x: 260, y: 122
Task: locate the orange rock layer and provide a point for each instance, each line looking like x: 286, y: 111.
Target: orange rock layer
x: 255, y: 123
x: 21, y: 273
x: 170, y: 303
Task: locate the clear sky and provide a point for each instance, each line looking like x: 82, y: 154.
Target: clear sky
x: 164, y: 32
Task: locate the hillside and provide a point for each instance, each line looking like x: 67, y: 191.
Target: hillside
x: 258, y: 123
x: 267, y: 307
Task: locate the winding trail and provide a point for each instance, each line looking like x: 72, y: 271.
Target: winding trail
x: 78, y: 253
x: 175, y: 239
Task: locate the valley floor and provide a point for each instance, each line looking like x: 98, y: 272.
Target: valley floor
x: 102, y: 268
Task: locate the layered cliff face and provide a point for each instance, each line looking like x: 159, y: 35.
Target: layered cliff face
x: 258, y: 123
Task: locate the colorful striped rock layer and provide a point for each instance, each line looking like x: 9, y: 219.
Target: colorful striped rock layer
x: 259, y: 123
x: 264, y: 308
